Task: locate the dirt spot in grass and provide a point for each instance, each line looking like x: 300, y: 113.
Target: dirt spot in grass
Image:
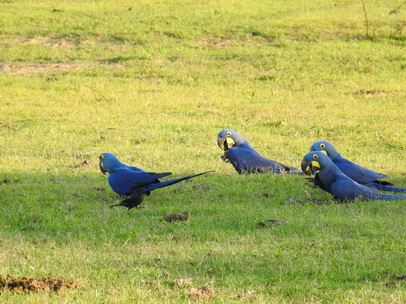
x: 177, y: 217
x: 10, y: 181
x: 25, y: 70
x: 293, y: 201
x: 317, y: 201
x: 103, y: 198
x: 29, y: 69
x: 54, y: 42
x: 202, y: 187
x: 101, y: 189
x: 247, y: 294
x: 370, y: 92
x: 23, y: 284
x: 399, y: 276
x: 111, y: 291
x: 218, y: 43
x: 391, y: 284
x: 181, y: 283
x: 267, y: 223
x: 203, y: 293
x: 86, y: 163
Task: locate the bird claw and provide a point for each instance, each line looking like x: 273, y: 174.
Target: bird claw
x: 225, y: 157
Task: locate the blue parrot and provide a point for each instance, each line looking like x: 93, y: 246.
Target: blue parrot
x: 332, y: 180
x: 355, y: 172
x: 239, y: 152
x: 132, y: 182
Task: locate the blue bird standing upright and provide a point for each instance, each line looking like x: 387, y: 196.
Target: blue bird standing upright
x: 332, y: 180
x: 357, y: 173
x: 132, y: 182
x: 244, y: 158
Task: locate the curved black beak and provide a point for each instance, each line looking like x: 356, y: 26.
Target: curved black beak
x: 309, y: 168
x: 221, y: 142
x: 104, y: 171
x: 225, y: 143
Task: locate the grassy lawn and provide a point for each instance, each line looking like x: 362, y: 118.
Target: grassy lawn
x: 153, y: 82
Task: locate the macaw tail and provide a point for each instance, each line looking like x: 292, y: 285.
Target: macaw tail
x: 382, y: 196
x: 163, y: 184
x: 386, y: 187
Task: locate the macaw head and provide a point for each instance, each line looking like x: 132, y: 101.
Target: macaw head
x: 229, y: 138
x: 325, y: 147
x: 107, y: 162
x: 314, y: 161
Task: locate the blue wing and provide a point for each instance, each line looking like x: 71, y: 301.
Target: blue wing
x: 356, y: 172
x: 246, y: 159
x: 125, y: 181
x: 347, y: 189
x: 136, y: 169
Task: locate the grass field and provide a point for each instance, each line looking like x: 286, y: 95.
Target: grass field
x: 154, y: 82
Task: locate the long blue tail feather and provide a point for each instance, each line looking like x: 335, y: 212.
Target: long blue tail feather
x: 163, y: 184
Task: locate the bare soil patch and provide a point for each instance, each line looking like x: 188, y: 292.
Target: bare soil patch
x: 267, y: 223
x: 177, y: 217
x: 371, y: 92
x: 203, y: 293
x: 24, y: 70
x: 23, y: 284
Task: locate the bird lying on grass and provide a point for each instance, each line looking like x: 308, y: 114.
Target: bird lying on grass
x: 331, y: 179
x: 132, y: 182
x: 239, y: 152
x: 357, y: 173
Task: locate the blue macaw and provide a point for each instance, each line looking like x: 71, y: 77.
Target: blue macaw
x: 132, y: 182
x: 332, y: 180
x: 355, y: 172
x: 239, y: 152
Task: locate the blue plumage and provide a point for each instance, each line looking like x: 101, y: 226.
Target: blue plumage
x: 133, y: 182
x: 343, y: 188
x: 244, y: 158
x: 357, y: 173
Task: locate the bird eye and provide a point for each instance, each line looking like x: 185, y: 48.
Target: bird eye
x: 101, y: 157
x: 322, y: 146
x: 228, y: 133
x: 315, y: 156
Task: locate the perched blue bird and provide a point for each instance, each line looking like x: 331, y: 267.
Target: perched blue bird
x: 355, y: 172
x: 332, y: 180
x: 132, y: 182
x: 239, y: 152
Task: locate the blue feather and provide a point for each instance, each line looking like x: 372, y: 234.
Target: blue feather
x: 244, y: 158
x: 132, y: 181
x: 343, y: 188
x: 357, y: 173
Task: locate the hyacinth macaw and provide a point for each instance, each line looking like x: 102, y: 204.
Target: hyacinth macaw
x: 132, y: 182
x: 239, y: 152
x: 357, y: 173
x: 332, y: 180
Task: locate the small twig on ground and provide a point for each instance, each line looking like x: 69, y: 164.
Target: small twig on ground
x: 101, y: 96
x: 366, y: 20
x: 399, y: 28
x: 397, y: 10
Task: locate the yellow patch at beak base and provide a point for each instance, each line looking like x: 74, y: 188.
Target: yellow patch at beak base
x: 315, y: 164
x: 230, y: 142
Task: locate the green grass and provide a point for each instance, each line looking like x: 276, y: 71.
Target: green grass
x: 154, y: 82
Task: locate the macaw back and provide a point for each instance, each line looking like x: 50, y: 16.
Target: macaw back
x: 246, y: 159
x: 356, y: 172
x: 125, y: 181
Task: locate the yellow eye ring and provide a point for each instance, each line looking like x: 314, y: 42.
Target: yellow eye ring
x: 315, y: 156
x: 228, y: 133
x: 322, y: 146
x: 101, y: 157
